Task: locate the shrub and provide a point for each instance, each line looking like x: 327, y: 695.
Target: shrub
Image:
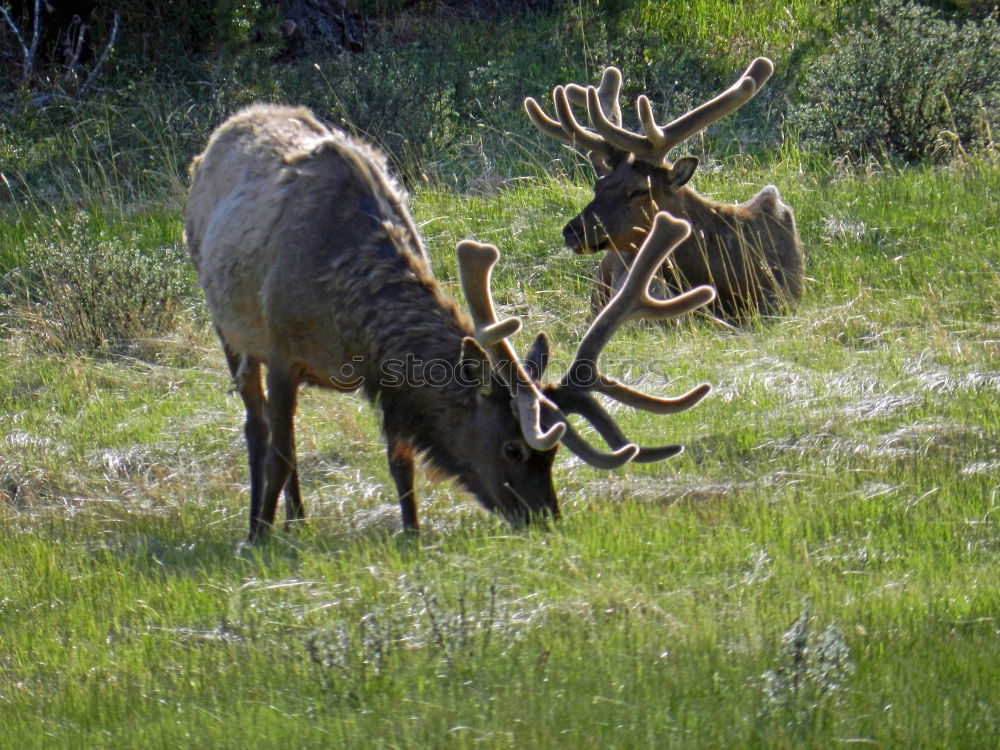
x: 94, y: 289
x: 443, y: 103
x: 895, y: 84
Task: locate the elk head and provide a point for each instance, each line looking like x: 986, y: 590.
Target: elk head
x: 543, y: 409
x: 635, y: 179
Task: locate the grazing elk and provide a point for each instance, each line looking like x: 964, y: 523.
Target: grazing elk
x: 312, y: 267
x: 750, y: 252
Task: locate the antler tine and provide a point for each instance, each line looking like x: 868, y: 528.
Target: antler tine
x: 574, y: 393
x: 647, y: 148
x: 608, y: 92
x: 698, y: 119
x: 760, y: 70
x: 475, y: 265
x: 653, y: 404
x: 543, y: 122
x: 584, y: 404
x: 566, y: 128
x: 598, y: 459
x: 587, y: 139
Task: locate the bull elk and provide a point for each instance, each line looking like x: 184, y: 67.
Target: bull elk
x: 312, y: 267
x: 750, y: 252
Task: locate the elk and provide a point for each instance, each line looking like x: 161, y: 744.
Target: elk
x: 313, y: 269
x: 750, y: 252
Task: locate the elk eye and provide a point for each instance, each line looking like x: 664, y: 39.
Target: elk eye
x: 514, y: 450
x: 642, y: 192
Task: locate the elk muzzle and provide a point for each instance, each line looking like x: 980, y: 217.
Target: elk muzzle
x: 583, y: 235
x: 522, y: 511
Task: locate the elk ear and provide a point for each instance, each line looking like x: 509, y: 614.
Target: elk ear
x: 537, y: 358
x: 683, y: 170
x: 475, y: 367
x: 606, y: 162
x: 601, y: 167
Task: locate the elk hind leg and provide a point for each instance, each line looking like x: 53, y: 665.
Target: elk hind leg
x: 279, y: 463
x: 245, y: 372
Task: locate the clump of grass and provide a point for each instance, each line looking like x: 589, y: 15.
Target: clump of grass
x: 353, y: 655
x: 94, y: 288
x: 814, y: 668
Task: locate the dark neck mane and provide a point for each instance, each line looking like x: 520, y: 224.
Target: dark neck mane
x: 415, y: 335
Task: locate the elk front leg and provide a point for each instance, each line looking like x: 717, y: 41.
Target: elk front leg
x: 294, y: 510
x: 402, y: 471
x: 609, y: 277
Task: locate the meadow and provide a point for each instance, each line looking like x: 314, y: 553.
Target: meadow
x: 817, y: 569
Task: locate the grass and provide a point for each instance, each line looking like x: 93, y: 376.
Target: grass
x: 732, y: 30
x: 817, y: 569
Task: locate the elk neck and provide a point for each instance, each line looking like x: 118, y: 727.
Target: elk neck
x: 412, y: 335
x: 710, y: 220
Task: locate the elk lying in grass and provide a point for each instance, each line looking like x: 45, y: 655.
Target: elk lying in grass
x: 750, y: 252
x: 312, y: 267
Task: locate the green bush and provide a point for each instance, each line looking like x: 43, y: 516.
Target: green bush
x: 901, y: 83
x: 97, y: 289
x: 444, y: 103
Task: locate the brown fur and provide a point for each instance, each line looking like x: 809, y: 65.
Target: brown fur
x: 313, y: 268
x: 750, y: 252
